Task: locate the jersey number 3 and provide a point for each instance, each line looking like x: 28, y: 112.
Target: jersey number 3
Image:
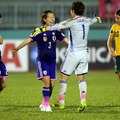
x: 49, y: 45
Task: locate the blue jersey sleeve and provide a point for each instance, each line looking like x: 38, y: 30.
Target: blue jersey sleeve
x: 60, y: 36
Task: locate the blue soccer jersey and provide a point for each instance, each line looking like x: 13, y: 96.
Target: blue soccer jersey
x: 46, y: 42
x: 46, y: 58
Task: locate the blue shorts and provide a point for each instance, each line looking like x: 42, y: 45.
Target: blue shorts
x: 46, y: 69
x: 3, y: 71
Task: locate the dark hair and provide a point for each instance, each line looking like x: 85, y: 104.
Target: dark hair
x: 0, y: 16
x: 44, y: 16
x: 78, y: 7
x: 118, y: 12
x: 109, y: 2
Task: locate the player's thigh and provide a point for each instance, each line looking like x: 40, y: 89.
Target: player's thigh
x: 52, y: 70
x: 70, y: 63
x: 82, y: 67
x: 42, y: 69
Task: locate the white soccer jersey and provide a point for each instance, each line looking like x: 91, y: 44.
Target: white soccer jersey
x: 77, y: 55
x: 78, y: 31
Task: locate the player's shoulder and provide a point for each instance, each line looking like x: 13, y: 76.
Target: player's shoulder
x: 115, y: 25
x: 38, y: 30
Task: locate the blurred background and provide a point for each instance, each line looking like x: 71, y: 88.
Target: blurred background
x: 20, y: 17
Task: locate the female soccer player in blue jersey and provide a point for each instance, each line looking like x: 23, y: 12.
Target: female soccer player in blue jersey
x: 77, y: 53
x: 3, y: 71
x: 46, y: 58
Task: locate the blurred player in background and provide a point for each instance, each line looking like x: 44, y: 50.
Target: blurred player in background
x: 114, y: 35
x: 46, y: 58
x: 3, y: 71
x: 77, y: 52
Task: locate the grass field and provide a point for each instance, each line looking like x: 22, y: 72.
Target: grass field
x: 22, y: 96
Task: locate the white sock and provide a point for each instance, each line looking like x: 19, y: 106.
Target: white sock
x: 83, y: 90
x: 62, y: 91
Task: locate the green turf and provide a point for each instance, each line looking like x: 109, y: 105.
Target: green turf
x: 22, y: 96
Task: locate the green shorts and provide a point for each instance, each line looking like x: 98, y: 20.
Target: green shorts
x: 116, y: 64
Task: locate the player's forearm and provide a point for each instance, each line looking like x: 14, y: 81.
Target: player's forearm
x: 1, y: 40
x: 59, y: 26
x: 109, y: 46
x: 24, y: 43
x: 66, y: 41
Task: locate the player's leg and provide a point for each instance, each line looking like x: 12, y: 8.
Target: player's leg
x: 2, y: 84
x: 43, y: 74
x: 82, y: 69
x: 67, y: 68
x: 3, y: 76
x: 118, y: 75
x: 46, y: 94
x: 83, y: 91
x: 117, y: 65
x: 52, y: 73
x: 62, y: 90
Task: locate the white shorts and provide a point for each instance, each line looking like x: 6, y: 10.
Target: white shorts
x: 77, y: 61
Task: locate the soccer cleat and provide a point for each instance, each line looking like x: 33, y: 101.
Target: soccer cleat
x: 61, y: 106
x: 82, y: 107
x: 56, y: 104
x: 42, y: 108
x: 45, y: 108
x: 48, y: 109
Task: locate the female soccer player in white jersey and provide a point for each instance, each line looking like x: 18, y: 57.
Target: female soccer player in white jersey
x: 3, y: 71
x: 77, y: 52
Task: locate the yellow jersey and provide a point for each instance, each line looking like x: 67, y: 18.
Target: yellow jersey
x: 115, y: 31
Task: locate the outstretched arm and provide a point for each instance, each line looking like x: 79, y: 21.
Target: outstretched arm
x: 24, y: 43
x: 62, y: 25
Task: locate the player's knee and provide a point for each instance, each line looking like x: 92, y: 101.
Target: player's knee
x: 119, y: 75
x: 2, y: 86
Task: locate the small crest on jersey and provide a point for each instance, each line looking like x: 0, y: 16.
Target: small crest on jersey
x: 44, y: 37
x: 45, y: 72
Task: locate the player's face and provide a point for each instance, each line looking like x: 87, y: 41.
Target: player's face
x: 50, y: 19
x: 117, y: 19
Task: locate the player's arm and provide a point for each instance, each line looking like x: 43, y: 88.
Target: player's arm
x: 24, y: 43
x: 109, y: 45
x: 98, y: 19
x: 66, y: 40
x: 1, y: 40
x: 62, y: 25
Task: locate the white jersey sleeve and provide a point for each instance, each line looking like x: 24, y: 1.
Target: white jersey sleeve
x: 77, y: 32
x: 62, y: 25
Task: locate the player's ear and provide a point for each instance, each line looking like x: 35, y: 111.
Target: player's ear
x: 44, y: 20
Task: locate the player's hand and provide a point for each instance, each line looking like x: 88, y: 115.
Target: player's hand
x: 14, y: 52
x: 112, y: 53
x: 98, y: 19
